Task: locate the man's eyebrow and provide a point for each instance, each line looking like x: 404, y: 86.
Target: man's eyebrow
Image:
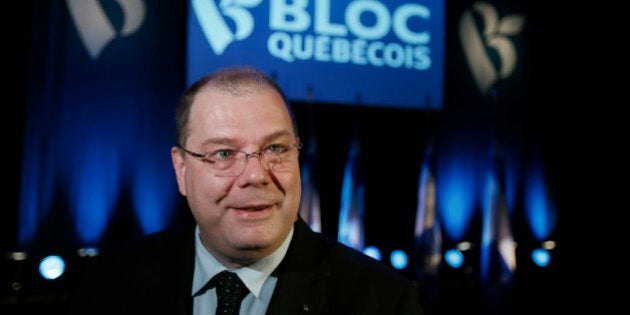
x: 278, y: 134
x: 221, y: 140
x: 230, y: 141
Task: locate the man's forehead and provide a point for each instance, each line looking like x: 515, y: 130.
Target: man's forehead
x: 225, y: 108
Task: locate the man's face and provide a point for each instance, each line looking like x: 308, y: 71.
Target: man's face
x: 244, y: 217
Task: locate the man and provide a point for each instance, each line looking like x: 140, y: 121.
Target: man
x: 236, y: 162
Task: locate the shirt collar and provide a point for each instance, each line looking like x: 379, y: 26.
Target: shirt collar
x: 254, y: 275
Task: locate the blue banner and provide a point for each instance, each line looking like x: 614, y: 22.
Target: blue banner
x: 378, y: 53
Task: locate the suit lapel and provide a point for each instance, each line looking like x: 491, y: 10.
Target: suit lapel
x: 303, y: 277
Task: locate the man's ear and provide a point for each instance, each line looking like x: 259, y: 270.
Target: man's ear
x: 180, y: 169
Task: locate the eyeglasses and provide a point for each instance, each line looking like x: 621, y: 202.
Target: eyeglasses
x: 227, y: 162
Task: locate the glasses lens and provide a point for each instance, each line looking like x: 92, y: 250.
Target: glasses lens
x: 230, y: 165
x: 272, y: 158
x: 282, y: 159
x: 275, y: 160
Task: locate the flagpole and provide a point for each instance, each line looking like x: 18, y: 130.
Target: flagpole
x: 498, y: 257
x: 428, y: 232
x: 351, y: 230
x: 310, y: 203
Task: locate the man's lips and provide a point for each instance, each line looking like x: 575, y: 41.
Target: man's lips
x: 252, y: 207
x: 253, y: 211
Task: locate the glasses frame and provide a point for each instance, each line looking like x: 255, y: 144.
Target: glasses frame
x: 203, y: 156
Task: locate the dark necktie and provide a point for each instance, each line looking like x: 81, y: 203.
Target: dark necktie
x: 230, y: 292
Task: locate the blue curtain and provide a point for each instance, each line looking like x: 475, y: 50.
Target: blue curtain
x: 104, y: 80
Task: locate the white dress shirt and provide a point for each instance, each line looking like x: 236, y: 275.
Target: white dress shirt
x: 257, y: 277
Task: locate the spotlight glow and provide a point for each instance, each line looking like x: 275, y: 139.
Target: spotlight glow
x: 88, y: 252
x: 17, y: 256
x: 541, y: 257
x: 454, y: 258
x: 52, y: 267
x: 398, y: 259
x: 373, y: 252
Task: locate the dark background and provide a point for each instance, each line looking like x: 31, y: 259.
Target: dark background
x: 579, y: 117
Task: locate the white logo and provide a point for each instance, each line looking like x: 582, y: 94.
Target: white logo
x: 494, y: 34
x: 297, y: 34
x: 94, y: 27
x: 215, y: 28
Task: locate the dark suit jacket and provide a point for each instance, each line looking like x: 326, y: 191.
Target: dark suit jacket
x: 317, y: 276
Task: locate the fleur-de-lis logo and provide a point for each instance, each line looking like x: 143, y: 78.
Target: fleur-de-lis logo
x: 494, y: 35
x: 94, y: 27
x: 217, y: 32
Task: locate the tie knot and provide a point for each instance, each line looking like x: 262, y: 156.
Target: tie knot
x: 230, y: 292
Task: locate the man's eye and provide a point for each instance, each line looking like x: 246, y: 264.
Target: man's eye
x: 223, y: 154
x: 277, y: 148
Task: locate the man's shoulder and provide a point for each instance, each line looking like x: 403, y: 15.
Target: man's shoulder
x: 157, y: 247
x: 138, y: 275
x: 327, y: 263
x: 345, y: 261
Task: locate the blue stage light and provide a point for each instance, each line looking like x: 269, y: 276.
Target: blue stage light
x: 541, y: 257
x: 52, y: 267
x: 454, y: 258
x: 373, y: 252
x: 88, y: 252
x: 398, y: 259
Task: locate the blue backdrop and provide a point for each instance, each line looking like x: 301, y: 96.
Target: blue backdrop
x: 104, y: 78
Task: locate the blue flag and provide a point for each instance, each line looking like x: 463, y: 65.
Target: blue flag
x: 309, y: 205
x: 428, y: 233
x: 351, y: 228
x: 498, y: 256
